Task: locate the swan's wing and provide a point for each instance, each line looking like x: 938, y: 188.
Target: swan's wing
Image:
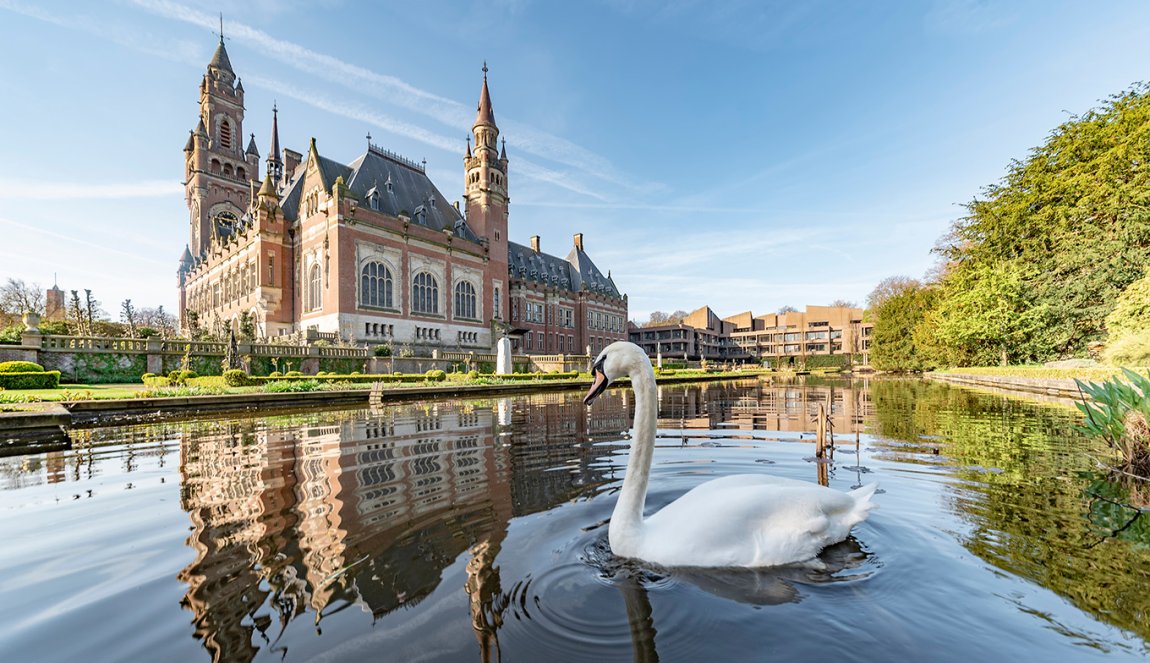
x: 740, y: 522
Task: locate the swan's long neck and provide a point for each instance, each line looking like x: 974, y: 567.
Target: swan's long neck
x: 628, y: 515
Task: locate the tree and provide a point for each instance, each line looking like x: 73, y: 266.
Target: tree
x: 1131, y: 312
x: 18, y: 298
x: 1073, y: 219
x: 128, y: 316
x: 844, y: 303
x: 888, y: 287
x: 247, y: 326
x: 76, y: 315
x: 896, y: 319
x: 158, y: 319
x: 787, y: 308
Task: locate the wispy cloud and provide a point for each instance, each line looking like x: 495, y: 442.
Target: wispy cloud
x: 396, y: 91
x: 26, y: 189
x: 969, y: 16
x: 71, y: 238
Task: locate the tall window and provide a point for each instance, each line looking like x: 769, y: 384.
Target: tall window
x: 375, y: 285
x: 497, y: 303
x: 465, y: 301
x: 424, y: 294
x: 314, y: 302
x: 225, y: 134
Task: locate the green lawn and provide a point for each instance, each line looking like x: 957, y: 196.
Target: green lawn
x: 1094, y: 374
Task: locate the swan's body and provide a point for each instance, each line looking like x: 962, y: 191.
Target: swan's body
x: 747, y: 520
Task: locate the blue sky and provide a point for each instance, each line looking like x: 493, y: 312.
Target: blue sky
x: 744, y: 154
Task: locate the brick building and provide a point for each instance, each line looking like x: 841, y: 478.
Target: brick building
x: 371, y: 251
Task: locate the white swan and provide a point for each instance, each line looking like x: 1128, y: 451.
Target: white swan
x: 744, y: 520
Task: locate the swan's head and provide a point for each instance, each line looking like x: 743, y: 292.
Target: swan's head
x: 616, y: 360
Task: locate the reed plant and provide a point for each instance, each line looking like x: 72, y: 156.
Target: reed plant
x: 1118, y: 411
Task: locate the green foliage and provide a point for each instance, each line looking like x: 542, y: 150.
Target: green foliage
x: 893, y: 342
x: 275, y: 374
x: 236, y: 378
x: 180, y: 378
x: 1119, y: 414
x: 1129, y: 350
x: 1131, y: 313
x: 293, y: 374
x: 11, y: 335
x: 1064, y: 233
x: 285, y: 386
x: 210, y: 381
x: 30, y: 380
x: 381, y: 351
x: 435, y: 376
x: 20, y: 367
x: 988, y: 315
x: 471, y: 375
x: 156, y: 381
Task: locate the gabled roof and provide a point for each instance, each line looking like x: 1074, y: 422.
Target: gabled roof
x: 575, y: 273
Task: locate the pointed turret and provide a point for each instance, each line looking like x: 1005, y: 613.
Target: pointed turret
x: 268, y: 190
x: 485, y: 114
x: 239, y: 85
x: 275, y: 166
x: 191, y: 144
x: 252, y: 151
x: 220, y: 62
x: 503, y: 152
x: 467, y: 154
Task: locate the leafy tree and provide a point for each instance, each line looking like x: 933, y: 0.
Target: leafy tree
x: 1131, y: 313
x: 247, y: 326
x: 1072, y: 220
x: 988, y: 316
x: 893, y: 344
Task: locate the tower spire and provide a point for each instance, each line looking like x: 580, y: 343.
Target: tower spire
x: 275, y: 166
x: 485, y: 115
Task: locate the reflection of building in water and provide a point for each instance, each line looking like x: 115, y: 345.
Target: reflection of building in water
x: 366, y: 510
x: 763, y: 406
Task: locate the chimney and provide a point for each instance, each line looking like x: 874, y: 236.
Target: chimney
x: 291, y: 161
x: 535, y: 243
x: 579, y: 241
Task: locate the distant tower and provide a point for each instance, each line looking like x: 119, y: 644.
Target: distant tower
x: 485, y: 183
x: 216, y: 166
x: 54, y: 304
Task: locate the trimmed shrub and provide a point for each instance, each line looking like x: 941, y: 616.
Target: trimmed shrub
x: 293, y: 374
x: 275, y: 374
x: 155, y: 381
x: 216, y: 383
x: 30, y: 380
x: 20, y: 367
x: 435, y: 376
x: 145, y: 376
x: 236, y: 378
x: 381, y: 351
x: 472, y: 375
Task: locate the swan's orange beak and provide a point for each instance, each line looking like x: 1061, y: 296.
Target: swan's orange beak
x: 598, y: 386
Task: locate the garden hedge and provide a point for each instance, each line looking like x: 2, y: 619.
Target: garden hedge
x: 30, y: 380
x: 20, y: 367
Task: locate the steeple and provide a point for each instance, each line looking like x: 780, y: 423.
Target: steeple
x: 484, y: 115
x: 275, y: 166
x: 252, y: 150
x: 221, y: 64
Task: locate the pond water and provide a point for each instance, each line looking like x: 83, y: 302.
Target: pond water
x: 474, y: 530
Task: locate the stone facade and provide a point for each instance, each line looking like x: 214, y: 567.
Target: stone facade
x: 371, y: 251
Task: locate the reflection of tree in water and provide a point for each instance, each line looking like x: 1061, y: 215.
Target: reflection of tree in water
x: 1029, y: 492
x: 486, y: 598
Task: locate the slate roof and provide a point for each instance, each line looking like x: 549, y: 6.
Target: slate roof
x: 220, y: 59
x: 397, y: 186
x: 573, y: 273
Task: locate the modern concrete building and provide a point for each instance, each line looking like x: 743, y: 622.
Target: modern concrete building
x: 796, y: 338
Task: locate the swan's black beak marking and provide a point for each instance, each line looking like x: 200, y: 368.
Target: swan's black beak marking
x: 598, y: 386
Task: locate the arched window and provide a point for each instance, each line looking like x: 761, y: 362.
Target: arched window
x: 241, y: 173
x: 314, y: 301
x: 375, y: 285
x: 424, y: 294
x: 228, y: 169
x: 465, y: 301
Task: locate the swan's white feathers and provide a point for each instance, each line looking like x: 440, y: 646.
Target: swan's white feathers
x: 746, y: 520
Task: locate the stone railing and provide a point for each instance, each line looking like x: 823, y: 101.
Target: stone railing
x: 92, y: 344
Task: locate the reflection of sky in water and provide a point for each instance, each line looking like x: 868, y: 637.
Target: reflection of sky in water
x: 464, y: 530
